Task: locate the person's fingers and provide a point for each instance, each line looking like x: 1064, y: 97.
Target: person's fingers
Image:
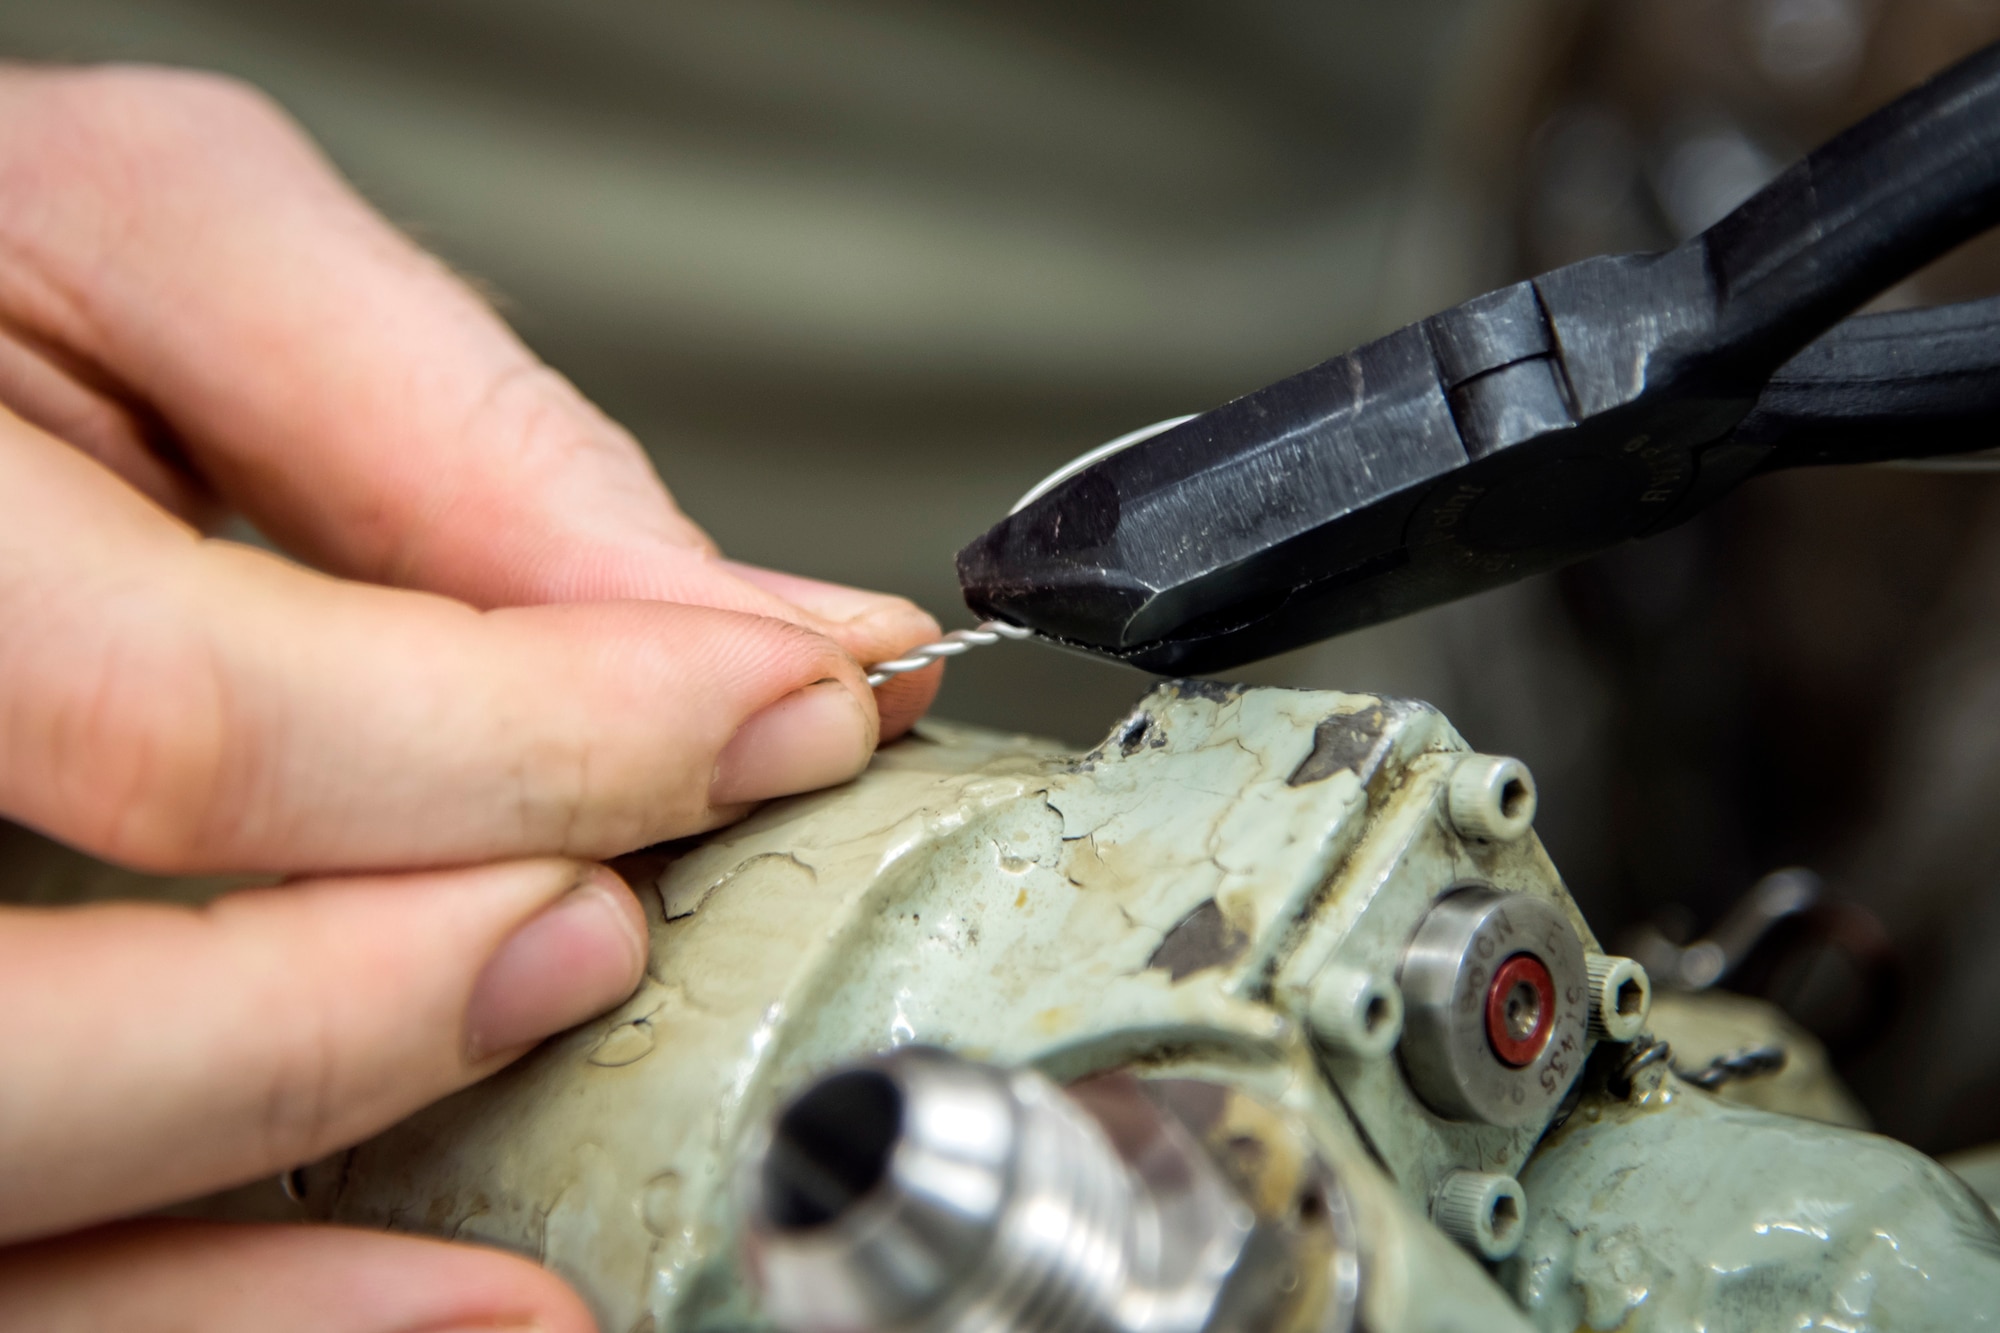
x: 183, y: 705
x: 54, y: 392
x: 906, y: 698
x: 337, y: 385
x: 156, y: 1053
x: 174, y: 1277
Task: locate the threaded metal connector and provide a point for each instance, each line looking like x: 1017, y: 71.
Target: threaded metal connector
x: 931, y: 1194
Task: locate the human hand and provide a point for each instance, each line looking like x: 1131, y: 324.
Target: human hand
x: 516, y: 655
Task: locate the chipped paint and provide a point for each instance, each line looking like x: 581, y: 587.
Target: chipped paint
x: 1162, y: 903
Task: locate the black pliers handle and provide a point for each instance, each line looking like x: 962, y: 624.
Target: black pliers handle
x: 1541, y: 422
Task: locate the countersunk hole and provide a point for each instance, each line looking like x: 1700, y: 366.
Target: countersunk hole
x: 831, y: 1148
x: 1506, y: 1216
x: 1513, y: 798
x: 1375, y: 1014
x: 1631, y: 998
x: 1523, y: 1011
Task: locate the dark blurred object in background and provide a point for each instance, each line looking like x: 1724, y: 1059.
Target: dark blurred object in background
x: 857, y: 275
x: 1802, y: 674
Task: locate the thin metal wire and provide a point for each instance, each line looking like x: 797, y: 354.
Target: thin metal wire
x: 1097, y: 455
x: 992, y: 631
x: 1645, y: 1051
x: 1751, y: 1063
x: 951, y: 645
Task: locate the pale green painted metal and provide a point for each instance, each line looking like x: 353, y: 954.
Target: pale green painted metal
x: 1677, y: 1212
x: 1000, y: 897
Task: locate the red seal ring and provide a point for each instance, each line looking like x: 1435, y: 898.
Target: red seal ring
x: 1520, y: 1009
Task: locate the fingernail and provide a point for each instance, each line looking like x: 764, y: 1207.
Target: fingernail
x: 581, y: 955
x: 809, y: 739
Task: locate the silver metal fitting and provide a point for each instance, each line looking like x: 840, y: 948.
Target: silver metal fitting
x: 920, y: 1191
x: 1355, y: 1013
x: 1497, y: 1002
x: 1621, y: 995
x: 1487, y: 1214
x: 1490, y: 799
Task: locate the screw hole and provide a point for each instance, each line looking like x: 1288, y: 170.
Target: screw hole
x: 1375, y: 1014
x: 1513, y: 798
x: 1631, y: 999
x: 1505, y: 1217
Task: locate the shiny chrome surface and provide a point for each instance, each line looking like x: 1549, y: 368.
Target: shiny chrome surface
x: 1449, y: 974
x: 918, y: 1190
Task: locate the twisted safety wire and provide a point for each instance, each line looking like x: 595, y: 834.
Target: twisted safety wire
x: 992, y: 631
x: 1752, y: 1063
x: 951, y: 645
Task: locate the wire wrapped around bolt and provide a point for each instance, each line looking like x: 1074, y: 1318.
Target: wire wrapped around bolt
x: 951, y: 645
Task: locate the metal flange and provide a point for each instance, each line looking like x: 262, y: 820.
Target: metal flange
x: 1496, y: 1007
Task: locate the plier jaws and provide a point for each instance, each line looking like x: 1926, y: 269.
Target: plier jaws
x: 1539, y: 423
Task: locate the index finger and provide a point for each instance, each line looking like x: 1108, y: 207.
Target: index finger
x: 334, y: 383
x: 185, y: 705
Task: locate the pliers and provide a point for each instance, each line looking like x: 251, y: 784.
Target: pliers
x: 1538, y: 423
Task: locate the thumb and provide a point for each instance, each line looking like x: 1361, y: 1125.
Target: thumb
x: 167, y: 1277
x: 278, y: 1024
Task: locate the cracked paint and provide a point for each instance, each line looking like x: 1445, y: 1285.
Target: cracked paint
x: 1002, y: 897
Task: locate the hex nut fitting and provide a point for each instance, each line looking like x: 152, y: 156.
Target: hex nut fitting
x: 1621, y: 995
x: 1355, y: 1013
x: 1487, y: 1214
x: 1490, y: 799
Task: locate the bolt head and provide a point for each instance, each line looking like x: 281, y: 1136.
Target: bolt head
x: 1355, y: 1013
x: 1490, y: 799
